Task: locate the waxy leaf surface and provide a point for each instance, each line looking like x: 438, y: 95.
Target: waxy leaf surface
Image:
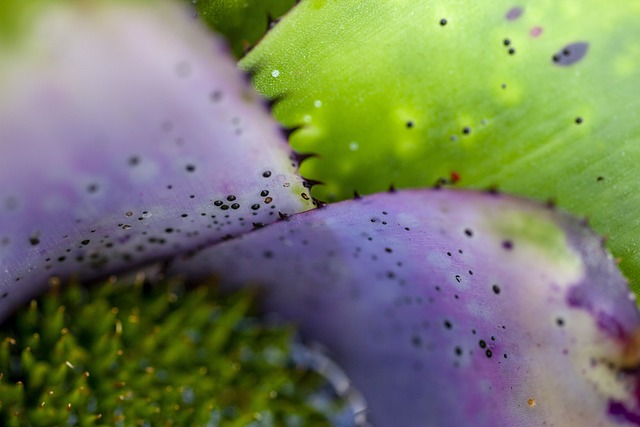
x: 538, y: 98
x: 127, y: 135
x: 451, y: 308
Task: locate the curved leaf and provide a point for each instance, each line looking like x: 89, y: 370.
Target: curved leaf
x: 450, y: 308
x: 538, y: 98
x: 128, y: 135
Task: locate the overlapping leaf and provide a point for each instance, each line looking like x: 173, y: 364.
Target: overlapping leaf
x: 450, y: 308
x: 535, y: 97
x: 127, y: 135
x: 446, y: 307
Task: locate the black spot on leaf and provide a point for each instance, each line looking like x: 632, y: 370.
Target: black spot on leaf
x: 34, y: 239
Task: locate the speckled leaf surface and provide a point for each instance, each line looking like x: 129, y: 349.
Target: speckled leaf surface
x: 451, y: 308
x: 127, y: 134
x: 538, y: 98
x: 242, y: 22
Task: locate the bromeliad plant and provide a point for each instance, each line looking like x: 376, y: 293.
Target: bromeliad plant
x: 537, y: 98
x: 129, y: 138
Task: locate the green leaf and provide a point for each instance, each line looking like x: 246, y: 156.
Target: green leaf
x: 242, y: 22
x: 410, y: 94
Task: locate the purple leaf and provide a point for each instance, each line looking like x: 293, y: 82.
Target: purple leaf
x: 127, y: 134
x: 450, y: 308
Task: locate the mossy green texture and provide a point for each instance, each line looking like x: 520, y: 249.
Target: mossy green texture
x: 467, y: 93
x: 137, y: 355
x: 242, y: 22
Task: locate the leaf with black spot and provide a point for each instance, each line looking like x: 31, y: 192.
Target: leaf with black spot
x: 112, y: 128
x: 428, y: 342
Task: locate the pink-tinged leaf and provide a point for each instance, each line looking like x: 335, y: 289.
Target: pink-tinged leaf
x: 452, y: 308
x: 126, y: 135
